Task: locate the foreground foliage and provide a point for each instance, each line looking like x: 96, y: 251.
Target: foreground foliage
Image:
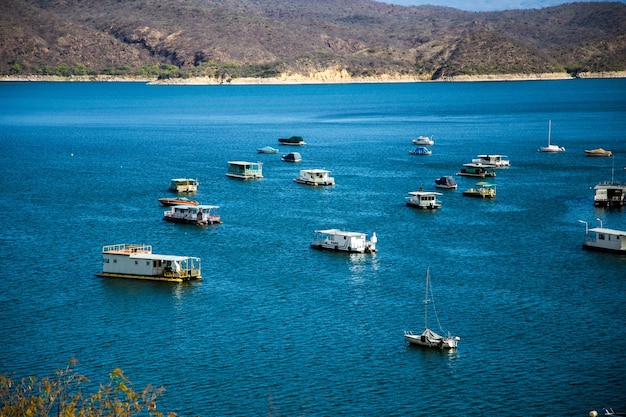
x: 63, y: 396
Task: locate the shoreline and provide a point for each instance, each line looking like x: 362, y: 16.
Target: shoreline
x: 326, y: 77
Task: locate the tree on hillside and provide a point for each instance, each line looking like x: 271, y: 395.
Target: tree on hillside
x: 63, y: 396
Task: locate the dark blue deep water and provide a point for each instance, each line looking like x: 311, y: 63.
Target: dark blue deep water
x: 277, y: 327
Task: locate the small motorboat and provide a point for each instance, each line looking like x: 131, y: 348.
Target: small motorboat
x: 267, y: 149
x: 446, y: 182
x: 598, y: 152
x: 292, y: 157
x: 424, y: 140
x: 181, y: 201
x: 420, y: 150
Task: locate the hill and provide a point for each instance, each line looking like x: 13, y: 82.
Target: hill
x: 228, y: 39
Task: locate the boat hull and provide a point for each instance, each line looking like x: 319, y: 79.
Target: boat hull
x: 423, y: 207
x: 207, y: 222
x: 150, y: 277
x: 314, y: 183
x: 442, y: 343
x: 596, y: 248
x: 341, y: 249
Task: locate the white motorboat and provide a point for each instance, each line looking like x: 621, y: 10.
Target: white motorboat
x: 424, y: 140
x: 426, y: 200
x: 339, y: 240
x: 551, y: 148
x: 429, y: 338
x: 315, y: 177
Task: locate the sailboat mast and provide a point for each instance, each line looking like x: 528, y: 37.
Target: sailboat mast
x: 549, y: 130
x: 426, y: 301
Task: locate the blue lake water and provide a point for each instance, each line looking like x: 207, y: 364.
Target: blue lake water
x: 277, y: 327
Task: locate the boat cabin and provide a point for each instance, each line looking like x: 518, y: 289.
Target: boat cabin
x: 183, y: 185
x: 610, y: 194
x: 477, y: 170
x: 497, y: 161
x: 315, y: 177
x: 245, y: 170
x: 339, y: 240
x: 137, y: 261
x: 202, y: 215
x: 426, y: 200
x: 605, y: 240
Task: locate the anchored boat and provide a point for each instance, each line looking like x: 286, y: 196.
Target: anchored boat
x: 245, y: 170
x: 201, y: 215
x: 604, y: 239
x: 184, y: 185
x: 136, y: 261
x: 315, y: 177
x: 339, y: 240
x: 429, y: 338
x: 426, y: 200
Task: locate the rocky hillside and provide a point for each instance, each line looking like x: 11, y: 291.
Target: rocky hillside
x: 266, y: 38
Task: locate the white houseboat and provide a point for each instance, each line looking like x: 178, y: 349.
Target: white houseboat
x: 245, y: 170
x: 496, y: 161
x: 426, y: 200
x: 339, y: 240
x: 604, y: 239
x: 183, y: 185
x: 201, y: 215
x: 610, y: 194
x: 315, y: 177
x: 137, y: 261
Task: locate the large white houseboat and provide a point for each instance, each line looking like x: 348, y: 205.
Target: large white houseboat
x: 245, y: 170
x: 183, y: 185
x: 426, y: 200
x: 605, y: 240
x: 339, y: 240
x: 137, y: 261
x: 201, y: 215
x: 610, y: 194
x: 315, y: 177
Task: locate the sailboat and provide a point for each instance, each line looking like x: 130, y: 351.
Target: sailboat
x: 428, y: 338
x: 551, y: 148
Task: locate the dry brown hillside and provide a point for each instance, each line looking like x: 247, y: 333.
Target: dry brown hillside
x: 263, y: 38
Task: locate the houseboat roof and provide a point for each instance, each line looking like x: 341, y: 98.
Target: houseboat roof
x: 243, y: 163
x: 421, y: 193
x: 608, y: 231
x: 315, y: 170
x: 161, y: 257
x: 183, y: 179
x: 338, y: 232
x: 198, y: 207
x: 127, y: 248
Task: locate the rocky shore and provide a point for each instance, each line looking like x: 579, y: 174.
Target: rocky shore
x: 324, y: 77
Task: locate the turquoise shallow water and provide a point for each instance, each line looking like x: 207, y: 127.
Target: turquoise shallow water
x: 276, y: 326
